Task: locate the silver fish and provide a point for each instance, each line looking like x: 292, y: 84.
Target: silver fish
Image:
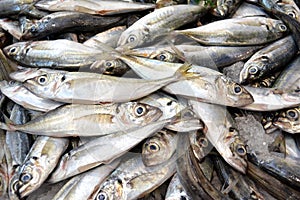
x: 175, y: 190
x: 88, y: 120
x: 289, y: 120
x: 238, y: 31
x: 111, y: 146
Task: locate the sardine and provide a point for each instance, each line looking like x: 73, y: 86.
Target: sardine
x: 103, y: 7
x: 249, y: 10
x: 269, y: 59
x: 40, y: 161
x: 88, y: 120
x: 111, y: 146
x: 157, y: 23
x: 132, y: 179
x: 200, y: 144
x: 159, y: 148
x: 289, y: 120
x: 220, y: 131
x: 238, y: 31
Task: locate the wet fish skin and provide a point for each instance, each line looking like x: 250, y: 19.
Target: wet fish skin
x: 288, y: 120
x: 40, y: 161
x: 175, y: 190
x: 238, y: 31
x: 269, y: 59
x: 132, y: 179
x: 68, y: 21
x: 4, y: 173
x: 159, y: 22
x: 248, y: 10
x: 85, y: 120
x: 159, y: 148
x: 111, y: 146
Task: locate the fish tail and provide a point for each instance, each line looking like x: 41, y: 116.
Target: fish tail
x: 182, y: 72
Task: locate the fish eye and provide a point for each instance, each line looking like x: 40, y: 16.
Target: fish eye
x: 203, y: 142
x: 292, y: 14
x: 139, y: 110
x: 25, y: 178
x: 108, y: 64
x: 253, y: 70
x: 229, y: 2
x: 42, y: 80
x: 102, y: 196
x: 131, y: 38
x: 282, y: 27
x: 153, y: 147
x: 241, y: 150
x: 292, y: 114
x: 162, y: 57
x: 237, y: 89
x: 13, y: 51
x: 33, y: 29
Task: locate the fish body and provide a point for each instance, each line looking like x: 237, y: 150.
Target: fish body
x: 88, y: 120
x: 175, y: 190
x: 159, y: 22
x: 238, y: 31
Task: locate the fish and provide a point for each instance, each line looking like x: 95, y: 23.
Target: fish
x: 19, y: 143
x: 238, y: 31
x: 175, y: 190
x: 270, y: 99
x: 207, y: 85
x: 221, y: 132
x: 104, y: 7
x: 269, y: 59
x: 56, y: 54
x: 200, y: 145
x: 249, y: 10
x: 291, y: 147
x: 160, y: 21
x: 288, y: 120
x: 88, y: 120
x: 67, y: 21
x: 19, y: 94
x: 111, y: 146
x: 85, y: 185
x: 4, y: 173
x: 226, y: 7
x: 13, y: 27
x: 39, y: 162
x: 132, y: 179
x: 159, y: 147
x: 76, y: 87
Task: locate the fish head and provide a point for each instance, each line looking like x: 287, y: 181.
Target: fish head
x: 17, y: 51
x: 165, y: 55
x: 238, y: 150
x: 290, y: 10
x: 158, y: 148
x: 110, y: 67
x: 233, y: 93
x: 130, y: 39
x: 111, y: 190
x: 138, y: 113
x: 279, y: 27
x: 30, y: 176
x: 47, y: 83
x: 254, y: 69
x: 289, y: 120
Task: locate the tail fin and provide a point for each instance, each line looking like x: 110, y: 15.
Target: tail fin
x: 7, y: 124
x: 182, y: 73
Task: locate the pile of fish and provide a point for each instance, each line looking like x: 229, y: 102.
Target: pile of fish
x: 175, y: 100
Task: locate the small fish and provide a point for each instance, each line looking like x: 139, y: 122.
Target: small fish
x: 103, y: 7
x: 249, y: 10
x: 159, y: 148
x: 88, y: 120
x: 238, y: 31
x: 289, y: 120
x: 269, y: 59
x: 132, y: 179
x: 160, y: 21
x: 111, y: 146
x: 38, y: 164
x: 226, y: 7
x: 13, y: 27
x: 200, y: 144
